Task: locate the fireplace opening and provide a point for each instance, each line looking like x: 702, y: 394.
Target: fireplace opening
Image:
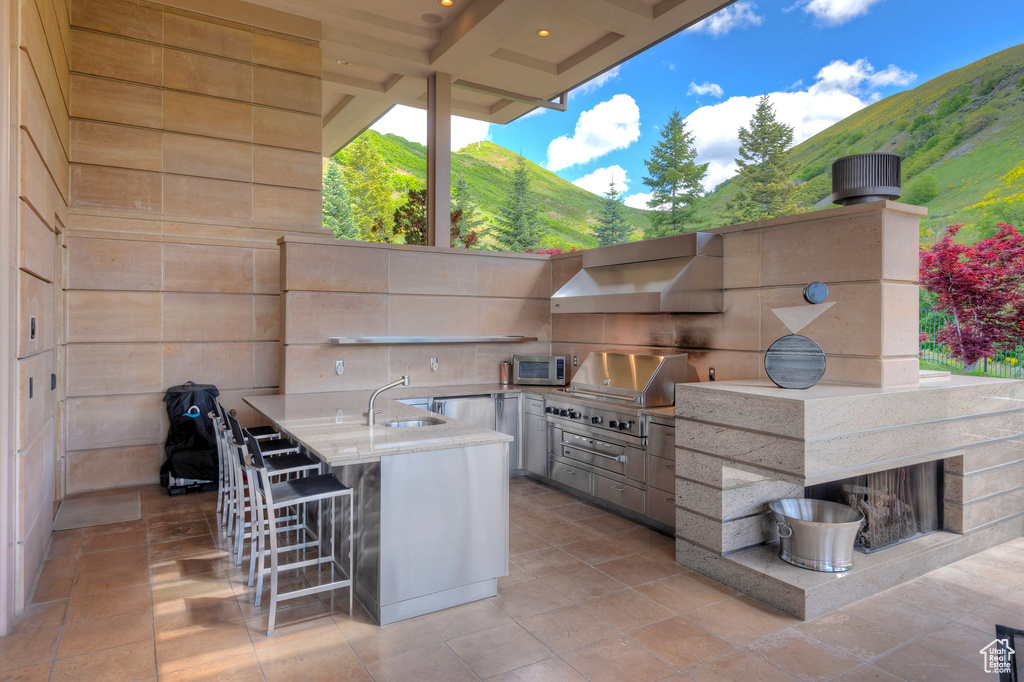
x: 899, y: 504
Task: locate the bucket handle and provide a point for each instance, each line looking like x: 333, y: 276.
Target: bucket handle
x: 783, y: 526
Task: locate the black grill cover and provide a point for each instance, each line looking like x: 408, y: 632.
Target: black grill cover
x: 191, y: 446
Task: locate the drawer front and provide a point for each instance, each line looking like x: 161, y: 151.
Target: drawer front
x: 571, y: 476
x: 619, y: 493
x: 661, y: 441
x: 534, y: 406
x: 661, y: 506
x: 661, y: 474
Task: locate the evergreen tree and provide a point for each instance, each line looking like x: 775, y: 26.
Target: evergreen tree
x: 764, y: 188
x: 675, y: 179
x: 462, y: 201
x: 517, y: 228
x: 337, y: 207
x: 370, y: 187
x: 613, y: 227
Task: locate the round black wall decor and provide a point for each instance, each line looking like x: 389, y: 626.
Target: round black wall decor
x: 794, y: 361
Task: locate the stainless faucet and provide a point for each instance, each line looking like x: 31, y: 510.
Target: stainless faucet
x: 404, y: 381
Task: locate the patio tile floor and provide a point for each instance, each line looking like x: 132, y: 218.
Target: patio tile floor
x: 589, y: 596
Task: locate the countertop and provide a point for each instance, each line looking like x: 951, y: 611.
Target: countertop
x: 332, y: 426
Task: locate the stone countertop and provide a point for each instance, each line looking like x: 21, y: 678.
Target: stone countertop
x: 332, y: 426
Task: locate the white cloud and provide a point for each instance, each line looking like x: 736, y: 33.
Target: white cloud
x: 706, y: 88
x: 596, y: 82
x: 411, y: 124
x: 638, y: 200
x: 740, y: 15
x: 599, y: 181
x: 611, y: 125
x: 836, y: 12
x: 840, y: 89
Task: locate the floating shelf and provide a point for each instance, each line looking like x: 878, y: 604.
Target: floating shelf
x: 378, y: 340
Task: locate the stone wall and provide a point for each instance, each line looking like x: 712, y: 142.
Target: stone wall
x: 195, y: 144
x: 866, y: 254
x: 363, y: 289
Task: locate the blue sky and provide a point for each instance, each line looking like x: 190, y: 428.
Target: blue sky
x: 819, y: 60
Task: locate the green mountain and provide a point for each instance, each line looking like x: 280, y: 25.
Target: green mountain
x: 961, y: 133
x: 567, y: 212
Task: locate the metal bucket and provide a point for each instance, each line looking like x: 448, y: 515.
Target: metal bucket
x: 816, y: 534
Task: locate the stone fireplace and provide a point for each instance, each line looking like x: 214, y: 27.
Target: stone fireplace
x: 741, y: 445
x: 899, y: 504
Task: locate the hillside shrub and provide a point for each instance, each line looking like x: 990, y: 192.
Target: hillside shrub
x: 813, y: 171
x: 979, y: 120
x: 924, y: 189
x: 919, y: 121
x: 855, y: 137
x: 948, y: 106
x: 1020, y: 83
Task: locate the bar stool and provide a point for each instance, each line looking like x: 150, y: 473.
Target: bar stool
x: 268, y: 499
x: 284, y: 461
x: 226, y: 487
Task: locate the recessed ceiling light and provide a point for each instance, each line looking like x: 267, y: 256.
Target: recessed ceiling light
x: 431, y: 18
x: 447, y: 3
x: 543, y: 33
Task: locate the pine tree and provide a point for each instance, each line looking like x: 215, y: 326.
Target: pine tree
x: 462, y: 201
x: 370, y: 187
x: 337, y: 207
x: 675, y: 179
x: 517, y: 228
x: 764, y: 188
x: 613, y: 227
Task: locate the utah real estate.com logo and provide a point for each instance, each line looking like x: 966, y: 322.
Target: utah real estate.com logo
x: 996, y: 656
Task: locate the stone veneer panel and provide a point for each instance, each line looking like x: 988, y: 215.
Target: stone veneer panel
x: 866, y: 254
x: 177, y: 199
x: 741, y: 445
x: 335, y: 288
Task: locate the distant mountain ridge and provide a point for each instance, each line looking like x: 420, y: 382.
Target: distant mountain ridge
x: 567, y: 212
x: 964, y: 129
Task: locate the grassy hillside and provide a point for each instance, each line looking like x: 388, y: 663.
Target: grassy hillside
x: 964, y: 129
x: 567, y: 212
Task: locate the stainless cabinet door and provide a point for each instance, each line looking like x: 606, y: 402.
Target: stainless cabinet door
x: 535, y: 445
x: 507, y: 421
x: 476, y: 410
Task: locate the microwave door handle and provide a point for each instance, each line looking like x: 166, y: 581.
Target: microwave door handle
x: 620, y: 458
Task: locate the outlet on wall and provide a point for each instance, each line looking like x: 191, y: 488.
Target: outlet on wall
x: 339, y: 367
x: 433, y: 364
x: 711, y: 374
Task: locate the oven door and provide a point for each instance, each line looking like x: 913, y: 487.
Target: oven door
x: 619, y: 457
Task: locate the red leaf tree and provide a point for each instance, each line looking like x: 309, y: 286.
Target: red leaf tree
x: 982, y: 287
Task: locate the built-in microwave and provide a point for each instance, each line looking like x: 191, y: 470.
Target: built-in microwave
x: 539, y: 370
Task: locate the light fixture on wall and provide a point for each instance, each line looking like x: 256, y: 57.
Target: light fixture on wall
x: 343, y: 62
x: 447, y: 3
x: 543, y: 32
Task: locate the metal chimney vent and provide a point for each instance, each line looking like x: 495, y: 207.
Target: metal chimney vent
x: 865, y: 177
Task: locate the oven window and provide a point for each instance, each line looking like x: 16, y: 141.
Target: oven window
x: 533, y: 370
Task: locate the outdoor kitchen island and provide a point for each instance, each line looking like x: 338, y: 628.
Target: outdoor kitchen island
x: 431, y: 501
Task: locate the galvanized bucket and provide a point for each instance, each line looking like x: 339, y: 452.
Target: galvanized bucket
x: 816, y: 534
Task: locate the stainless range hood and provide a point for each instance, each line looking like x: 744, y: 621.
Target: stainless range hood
x: 678, y: 274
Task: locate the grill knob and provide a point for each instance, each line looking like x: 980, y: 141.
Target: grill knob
x: 613, y: 424
x: 574, y: 415
x: 625, y: 426
x: 548, y: 410
x: 563, y: 413
x: 596, y: 420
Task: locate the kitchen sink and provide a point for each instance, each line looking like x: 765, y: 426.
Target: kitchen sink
x: 410, y: 423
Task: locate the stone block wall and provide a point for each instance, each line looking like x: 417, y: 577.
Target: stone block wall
x: 363, y: 289
x: 866, y: 254
x: 194, y: 145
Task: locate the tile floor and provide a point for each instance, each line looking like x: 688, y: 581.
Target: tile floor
x: 589, y: 596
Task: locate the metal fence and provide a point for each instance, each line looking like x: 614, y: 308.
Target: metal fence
x: 1008, y: 363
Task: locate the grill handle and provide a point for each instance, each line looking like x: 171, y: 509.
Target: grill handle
x: 620, y: 458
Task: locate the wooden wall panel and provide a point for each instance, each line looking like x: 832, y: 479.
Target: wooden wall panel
x: 182, y: 179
